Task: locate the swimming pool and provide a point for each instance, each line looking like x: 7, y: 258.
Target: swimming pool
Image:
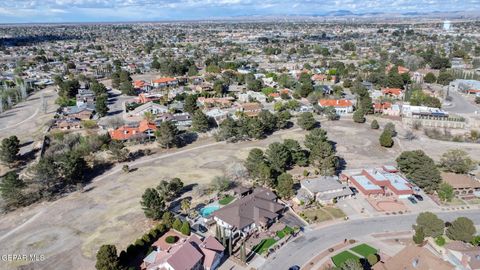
x: 208, y: 210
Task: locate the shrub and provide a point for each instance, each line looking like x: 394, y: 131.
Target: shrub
x: 440, y: 241
x: 185, y: 229
x: 374, y: 125
x: 359, y: 116
x: 372, y: 259
x: 171, y: 239
x: 386, y: 139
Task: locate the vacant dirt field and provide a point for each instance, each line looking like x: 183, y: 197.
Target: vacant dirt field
x: 69, y: 231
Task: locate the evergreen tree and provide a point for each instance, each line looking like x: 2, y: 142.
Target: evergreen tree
x: 9, y: 149
x: 306, y: 121
x: 386, y: 139
x: 200, y: 122
x: 285, y: 186
x: 314, y: 137
x: 11, y: 187
x: 107, y: 258
x: 153, y: 205
x: 431, y: 225
x: 190, y: 105
x: 101, y: 107
x: 185, y: 229
x: 359, y: 116
x: 323, y: 157
x: 461, y: 229
x: 419, y: 236
x: 167, y: 135
x: 177, y: 224
x: 278, y: 156
x: 420, y: 169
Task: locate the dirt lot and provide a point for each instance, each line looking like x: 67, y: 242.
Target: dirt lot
x: 69, y: 231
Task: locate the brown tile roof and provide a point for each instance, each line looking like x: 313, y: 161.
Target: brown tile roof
x: 414, y: 258
x: 471, y: 254
x: 258, y: 207
x: 460, y: 180
x: 185, y: 258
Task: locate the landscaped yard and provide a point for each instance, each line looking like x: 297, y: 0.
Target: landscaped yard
x: 455, y: 202
x: 264, y: 245
x: 341, y: 257
x: 320, y: 214
x: 364, y: 250
x: 335, y: 212
x: 285, y: 231
x: 226, y: 200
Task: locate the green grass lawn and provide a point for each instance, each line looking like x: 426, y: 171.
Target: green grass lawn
x: 285, y: 231
x: 337, y: 213
x: 264, y: 245
x: 226, y: 200
x: 341, y: 257
x: 364, y: 250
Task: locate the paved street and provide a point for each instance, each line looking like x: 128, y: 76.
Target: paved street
x: 307, y: 246
x: 460, y: 104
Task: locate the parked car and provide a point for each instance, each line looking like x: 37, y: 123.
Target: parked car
x: 295, y: 267
x: 418, y: 197
x: 412, y: 200
x: 354, y: 190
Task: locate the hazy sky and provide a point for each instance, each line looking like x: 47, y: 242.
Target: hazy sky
x: 13, y: 11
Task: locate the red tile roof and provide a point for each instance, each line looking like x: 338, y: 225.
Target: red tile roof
x: 164, y: 80
x: 335, y: 103
x: 127, y: 132
x: 392, y: 91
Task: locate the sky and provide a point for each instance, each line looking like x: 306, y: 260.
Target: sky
x: 26, y: 11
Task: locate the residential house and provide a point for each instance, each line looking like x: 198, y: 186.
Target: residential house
x: 384, y: 181
x: 400, y: 69
x: 250, y: 109
x: 142, y: 85
x: 341, y: 106
x: 85, y: 97
x: 322, y: 78
x: 144, y: 130
x: 379, y: 107
x: 255, y: 211
x: 68, y: 124
x: 251, y: 95
x: 83, y: 112
x: 414, y: 257
x: 149, y: 107
x: 325, y: 190
x: 182, y: 120
x: 464, y: 185
x: 464, y: 256
x: 423, y: 111
x: 395, y: 93
x: 164, y: 82
x: 187, y: 253
x: 218, y: 114
x: 215, y: 102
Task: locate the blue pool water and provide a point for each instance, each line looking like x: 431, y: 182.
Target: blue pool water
x: 208, y: 210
